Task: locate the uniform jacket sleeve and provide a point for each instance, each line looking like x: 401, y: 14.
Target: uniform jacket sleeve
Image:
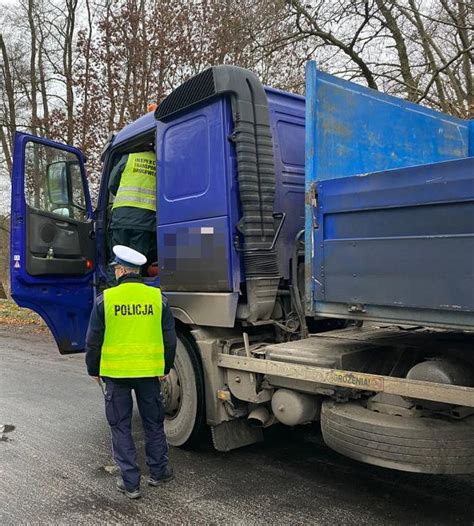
x: 95, y: 337
x: 116, y: 174
x: 169, y: 335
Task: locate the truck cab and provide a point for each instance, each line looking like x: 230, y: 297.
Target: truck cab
x: 60, y: 246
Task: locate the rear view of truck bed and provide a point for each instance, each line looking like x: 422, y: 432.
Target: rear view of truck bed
x: 389, y: 208
x: 398, y: 245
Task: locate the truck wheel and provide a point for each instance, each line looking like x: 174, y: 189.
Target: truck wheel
x: 417, y: 444
x: 183, y: 394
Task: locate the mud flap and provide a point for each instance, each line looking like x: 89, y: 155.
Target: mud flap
x: 234, y: 434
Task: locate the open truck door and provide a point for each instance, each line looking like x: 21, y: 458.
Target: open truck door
x: 52, y: 247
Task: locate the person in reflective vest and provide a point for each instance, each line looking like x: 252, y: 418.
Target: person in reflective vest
x: 133, y: 220
x: 131, y: 345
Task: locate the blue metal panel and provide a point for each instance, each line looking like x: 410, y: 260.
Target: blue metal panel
x: 64, y: 302
x: 287, y: 121
x: 398, y: 239
x: 196, y: 186
x: 192, y: 182
x: 355, y: 130
x: 135, y: 129
x: 471, y: 138
x: 311, y: 147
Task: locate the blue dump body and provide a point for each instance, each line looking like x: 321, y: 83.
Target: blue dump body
x: 389, y: 208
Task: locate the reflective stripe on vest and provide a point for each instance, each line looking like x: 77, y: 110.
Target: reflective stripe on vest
x: 133, y: 340
x: 138, y: 182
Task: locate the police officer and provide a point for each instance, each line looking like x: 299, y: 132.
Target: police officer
x: 133, y: 183
x: 131, y: 344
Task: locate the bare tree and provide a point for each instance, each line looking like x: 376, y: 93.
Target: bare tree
x: 8, y: 122
x: 33, y: 92
x: 68, y: 47
x: 75, y: 71
x: 422, y: 51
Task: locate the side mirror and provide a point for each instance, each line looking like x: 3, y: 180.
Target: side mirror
x: 58, y: 183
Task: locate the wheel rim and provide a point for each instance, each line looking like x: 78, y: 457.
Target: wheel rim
x: 171, y: 389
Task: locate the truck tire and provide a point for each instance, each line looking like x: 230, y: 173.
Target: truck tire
x: 421, y: 445
x: 185, y: 422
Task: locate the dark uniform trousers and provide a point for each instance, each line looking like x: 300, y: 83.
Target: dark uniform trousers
x: 119, y: 410
x: 140, y: 240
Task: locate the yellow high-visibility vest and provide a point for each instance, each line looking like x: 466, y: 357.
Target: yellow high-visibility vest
x: 138, y: 182
x: 133, y: 340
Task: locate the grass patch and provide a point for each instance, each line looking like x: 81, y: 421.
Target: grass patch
x: 11, y: 314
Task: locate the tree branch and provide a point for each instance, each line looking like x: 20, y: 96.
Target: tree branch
x: 440, y: 70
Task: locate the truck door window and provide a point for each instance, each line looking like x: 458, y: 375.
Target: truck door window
x: 53, y: 182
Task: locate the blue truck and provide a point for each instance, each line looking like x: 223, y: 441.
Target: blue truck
x: 317, y: 254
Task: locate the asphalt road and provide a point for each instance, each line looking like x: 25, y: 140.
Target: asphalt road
x: 53, y: 465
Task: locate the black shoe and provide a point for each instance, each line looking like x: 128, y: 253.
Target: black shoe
x: 134, y: 494
x: 166, y: 477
